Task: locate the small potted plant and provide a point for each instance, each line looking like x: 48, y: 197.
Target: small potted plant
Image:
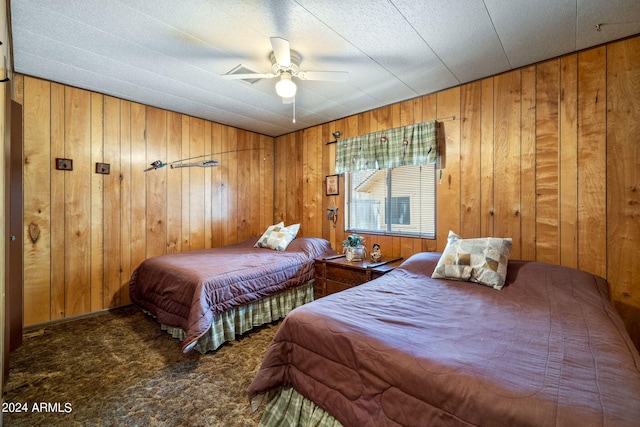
x: 354, y: 248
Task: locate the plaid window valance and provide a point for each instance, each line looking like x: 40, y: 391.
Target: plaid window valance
x: 410, y: 145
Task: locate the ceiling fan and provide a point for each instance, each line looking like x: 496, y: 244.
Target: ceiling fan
x: 285, y: 64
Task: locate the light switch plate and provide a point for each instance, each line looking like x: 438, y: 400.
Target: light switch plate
x: 103, y: 168
x: 64, y: 164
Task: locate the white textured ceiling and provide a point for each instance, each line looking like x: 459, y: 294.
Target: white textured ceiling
x: 170, y: 54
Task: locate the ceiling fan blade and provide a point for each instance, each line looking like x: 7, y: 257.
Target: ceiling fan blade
x: 328, y: 76
x: 281, y: 51
x: 248, y: 76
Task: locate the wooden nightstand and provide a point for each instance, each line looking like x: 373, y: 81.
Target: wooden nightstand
x: 335, y: 274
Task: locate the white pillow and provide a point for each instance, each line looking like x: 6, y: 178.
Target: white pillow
x: 278, y: 236
x: 482, y: 260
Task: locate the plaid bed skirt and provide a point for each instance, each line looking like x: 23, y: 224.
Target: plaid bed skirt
x: 226, y: 326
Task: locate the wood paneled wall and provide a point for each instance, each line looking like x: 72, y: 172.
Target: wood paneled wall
x: 547, y: 154
x: 95, y: 229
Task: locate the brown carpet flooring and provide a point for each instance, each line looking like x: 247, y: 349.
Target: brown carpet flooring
x: 120, y: 369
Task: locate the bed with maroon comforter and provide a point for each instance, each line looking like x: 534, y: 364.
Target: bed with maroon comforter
x: 408, y: 350
x: 188, y: 290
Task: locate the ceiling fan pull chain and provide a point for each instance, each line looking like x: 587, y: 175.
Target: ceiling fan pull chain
x: 294, y: 109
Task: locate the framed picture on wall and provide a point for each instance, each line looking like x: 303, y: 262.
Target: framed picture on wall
x: 332, y: 185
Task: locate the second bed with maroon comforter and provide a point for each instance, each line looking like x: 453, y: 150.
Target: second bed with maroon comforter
x: 405, y: 349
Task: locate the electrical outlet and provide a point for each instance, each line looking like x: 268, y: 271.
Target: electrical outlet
x: 103, y: 168
x: 64, y: 164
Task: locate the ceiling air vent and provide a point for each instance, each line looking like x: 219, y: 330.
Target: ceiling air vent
x: 243, y: 69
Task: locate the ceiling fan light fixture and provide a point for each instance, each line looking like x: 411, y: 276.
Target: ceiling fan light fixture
x: 285, y: 87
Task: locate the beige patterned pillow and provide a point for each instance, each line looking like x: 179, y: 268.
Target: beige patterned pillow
x: 482, y: 260
x: 278, y: 236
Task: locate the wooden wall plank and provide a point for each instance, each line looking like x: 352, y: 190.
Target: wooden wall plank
x: 395, y: 113
x: 309, y: 140
x: 266, y: 181
x: 547, y: 162
x: 137, y: 215
x: 316, y: 186
x: 407, y: 113
x: 294, y: 180
x: 78, y: 202
x: 208, y: 174
x: 225, y: 149
x: 417, y: 110
x: 592, y: 161
x: 97, y: 203
x: 225, y: 197
x: 232, y: 186
x: 37, y: 174
x: 174, y: 184
x: 568, y: 153
x: 448, y: 190
x: 244, y: 198
x: 196, y: 185
x: 470, y: 167
x: 217, y: 226
x: 280, y: 178
x: 156, y: 182
x: 255, y: 156
x: 186, y: 185
x: 297, y: 201
x: 506, y: 157
x: 528, y: 164
x: 111, y: 204
x: 125, y: 200
x: 58, y: 289
x: 429, y: 107
x: 290, y: 184
x: 487, y: 209
x: 384, y: 119
x: 313, y: 178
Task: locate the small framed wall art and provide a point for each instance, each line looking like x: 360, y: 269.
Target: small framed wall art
x: 333, y: 189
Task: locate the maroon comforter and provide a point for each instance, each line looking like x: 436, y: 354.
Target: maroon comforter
x: 188, y: 289
x: 405, y: 349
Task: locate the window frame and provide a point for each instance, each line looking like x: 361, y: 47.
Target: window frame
x: 388, y: 231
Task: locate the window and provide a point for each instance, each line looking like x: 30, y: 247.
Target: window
x: 400, y: 210
x: 397, y: 201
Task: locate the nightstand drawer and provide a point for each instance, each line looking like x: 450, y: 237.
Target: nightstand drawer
x: 335, y: 274
x: 348, y: 276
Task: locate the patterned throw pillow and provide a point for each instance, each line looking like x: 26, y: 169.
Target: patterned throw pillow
x: 482, y: 260
x: 278, y: 236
